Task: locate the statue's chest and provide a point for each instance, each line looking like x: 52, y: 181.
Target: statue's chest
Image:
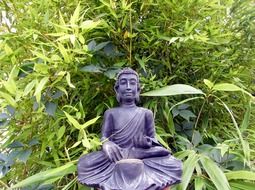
x: 128, y: 119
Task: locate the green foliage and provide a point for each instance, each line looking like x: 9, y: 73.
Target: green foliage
x: 58, y: 61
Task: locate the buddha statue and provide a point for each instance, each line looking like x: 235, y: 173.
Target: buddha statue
x: 131, y: 157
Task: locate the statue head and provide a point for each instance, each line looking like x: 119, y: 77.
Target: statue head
x: 127, y: 86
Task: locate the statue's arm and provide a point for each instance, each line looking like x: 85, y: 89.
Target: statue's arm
x: 149, y: 125
x: 150, y: 128
x: 145, y: 140
x: 112, y: 150
x: 107, y: 125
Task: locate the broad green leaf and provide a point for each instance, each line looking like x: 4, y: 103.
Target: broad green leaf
x: 215, y: 173
x: 199, y: 183
x: 101, y: 45
x: 229, y: 87
x: 68, y: 79
x: 247, y: 115
x: 226, y: 87
x: 187, y: 114
x: 24, y: 155
x: 72, y: 39
x: 75, y: 17
x: 89, y: 24
x: 61, y: 132
x: 162, y: 141
x: 41, y: 68
x: 42, y: 56
x: 188, y: 169
x: 196, y: 137
x: 47, y: 175
x: 223, y: 148
x: 10, y: 86
x: 14, y: 72
x: 75, y: 144
x: 183, y: 154
x: 90, y: 122
x: 208, y: 83
x: 73, y: 121
x: 61, y: 19
x: 241, y: 174
x: 86, y: 143
x: 50, y: 108
x: 39, y: 88
x: 81, y: 39
x: 61, y: 88
x: 176, y: 89
x: 170, y: 39
x: 63, y: 52
x: 8, y: 98
x: 29, y: 87
x: 241, y: 185
x: 7, y: 49
x: 92, y: 69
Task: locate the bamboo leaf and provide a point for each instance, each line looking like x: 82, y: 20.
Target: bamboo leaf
x: 188, y: 169
x: 245, y: 145
x: 90, y: 122
x: 61, y: 132
x: 73, y: 121
x: 47, y: 175
x: 184, y: 101
x: 216, y: 175
x: 176, y: 89
x: 230, y: 88
x: 63, y: 52
x: 208, y: 83
x: 199, y: 183
x: 42, y: 56
x: 75, y: 144
x: 10, y: 86
x: 247, y: 115
x: 241, y: 174
x: 29, y: 87
x: 39, y: 88
x: 75, y: 17
x: 89, y: 24
x: 8, y: 98
x: 68, y: 79
x: 241, y: 185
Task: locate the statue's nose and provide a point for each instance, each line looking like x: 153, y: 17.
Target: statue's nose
x: 128, y: 86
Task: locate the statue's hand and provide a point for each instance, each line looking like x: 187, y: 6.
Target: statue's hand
x: 142, y: 141
x: 113, y: 151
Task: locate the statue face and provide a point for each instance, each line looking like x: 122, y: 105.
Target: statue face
x: 127, y: 89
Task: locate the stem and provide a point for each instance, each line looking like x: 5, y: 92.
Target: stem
x: 200, y: 112
x: 1, y: 182
x: 130, y: 41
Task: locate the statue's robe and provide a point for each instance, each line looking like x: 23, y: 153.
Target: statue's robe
x: 121, y: 126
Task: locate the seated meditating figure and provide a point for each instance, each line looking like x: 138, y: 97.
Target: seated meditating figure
x: 131, y: 158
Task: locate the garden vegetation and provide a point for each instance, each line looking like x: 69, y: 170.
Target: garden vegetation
x: 58, y: 62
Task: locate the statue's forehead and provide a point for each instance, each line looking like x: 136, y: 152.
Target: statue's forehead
x: 127, y: 76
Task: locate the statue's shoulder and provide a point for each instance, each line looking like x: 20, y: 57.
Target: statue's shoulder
x: 146, y: 111
x: 111, y: 111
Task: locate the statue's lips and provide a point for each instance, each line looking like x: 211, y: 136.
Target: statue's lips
x: 128, y: 94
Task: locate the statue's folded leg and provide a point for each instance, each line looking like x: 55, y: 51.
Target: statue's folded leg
x: 140, y: 153
x: 94, y: 169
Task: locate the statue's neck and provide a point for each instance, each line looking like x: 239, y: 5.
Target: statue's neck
x: 128, y: 104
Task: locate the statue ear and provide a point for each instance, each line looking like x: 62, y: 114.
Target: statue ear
x: 138, y: 88
x: 116, y: 87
